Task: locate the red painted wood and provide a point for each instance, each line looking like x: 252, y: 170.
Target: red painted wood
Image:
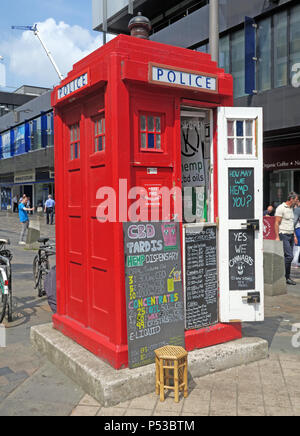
x: 90, y: 254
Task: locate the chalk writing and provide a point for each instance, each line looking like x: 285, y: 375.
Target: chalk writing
x: 154, y: 298
x: 241, y: 193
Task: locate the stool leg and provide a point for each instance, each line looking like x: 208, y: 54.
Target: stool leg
x: 161, y: 378
x: 176, y: 384
x: 185, y: 375
x: 157, y: 376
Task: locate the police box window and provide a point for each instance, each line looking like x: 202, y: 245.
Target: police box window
x: 151, y: 132
x: 99, y: 134
x: 74, y: 141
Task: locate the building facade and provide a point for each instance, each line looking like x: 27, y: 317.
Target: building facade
x: 276, y: 71
x: 26, y: 150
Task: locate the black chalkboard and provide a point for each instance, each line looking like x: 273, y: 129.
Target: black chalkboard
x: 241, y: 193
x: 154, y: 294
x: 201, y: 283
x: 241, y: 260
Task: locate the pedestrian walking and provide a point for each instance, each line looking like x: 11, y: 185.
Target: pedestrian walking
x: 296, y: 261
x: 269, y: 211
x: 15, y: 203
x: 49, y: 209
x: 285, y: 231
x: 24, y: 219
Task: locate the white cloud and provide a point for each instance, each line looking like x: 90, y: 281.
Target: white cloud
x: 67, y: 44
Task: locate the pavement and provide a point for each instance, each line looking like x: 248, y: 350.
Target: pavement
x: 32, y: 386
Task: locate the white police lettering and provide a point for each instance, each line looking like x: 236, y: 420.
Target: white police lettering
x: 73, y: 86
x: 183, y: 78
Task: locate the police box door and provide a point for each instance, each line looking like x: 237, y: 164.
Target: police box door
x: 240, y: 200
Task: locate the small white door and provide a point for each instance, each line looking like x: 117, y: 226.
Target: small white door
x: 240, y: 199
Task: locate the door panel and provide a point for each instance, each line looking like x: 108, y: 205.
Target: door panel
x: 240, y: 200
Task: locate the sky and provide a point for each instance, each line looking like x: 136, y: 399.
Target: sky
x: 66, y: 29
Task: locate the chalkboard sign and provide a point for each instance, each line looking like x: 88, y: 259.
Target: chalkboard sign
x: 201, y: 283
x: 241, y: 193
x: 154, y: 294
x: 241, y: 260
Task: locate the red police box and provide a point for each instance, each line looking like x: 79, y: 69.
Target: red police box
x: 101, y: 137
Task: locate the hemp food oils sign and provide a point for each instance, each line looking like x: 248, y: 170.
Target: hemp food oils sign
x: 183, y: 78
x: 75, y: 85
x: 154, y: 295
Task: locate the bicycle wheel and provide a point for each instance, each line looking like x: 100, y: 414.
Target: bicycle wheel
x: 44, y: 269
x: 35, y: 268
x: 3, y: 299
x: 10, y: 300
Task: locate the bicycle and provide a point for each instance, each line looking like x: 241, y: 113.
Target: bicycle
x: 5, y: 280
x: 41, y: 265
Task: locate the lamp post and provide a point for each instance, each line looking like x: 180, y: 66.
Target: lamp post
x: 214, y: 29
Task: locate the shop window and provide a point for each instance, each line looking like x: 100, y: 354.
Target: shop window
x: 75, y: 141
x: 241, y: 137
x: 264, y: 54
x: 99, y: 130
x: 150, y: 132
x: 294, y: 36
x: 280, y: 49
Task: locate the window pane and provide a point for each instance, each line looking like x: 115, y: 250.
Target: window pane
x: 230, y: 128
x: 151, y: 124
x: 100, y: 127
x: 224, y: 53
x: 96, y: 128
x: 249, y: 128
x: 74, y: 133
x: 230, y: 146
x: 100, y: 147
x: 295, y: 36
x: 158, y: 142
x: 103, y: 142
x: 238, y: 63
x: 150, y: 140
x: 143, y: 123
x: 249, y: 146
x: 264, y: 55
x: 72, y: 137
x: 96, y: 145
x: 280, y: 49
x: 240, y: 128
x: 103, y: 125
x: 143, y: 140
x: 240, y: 146
x: 157, y: 124
x: 71, y: 154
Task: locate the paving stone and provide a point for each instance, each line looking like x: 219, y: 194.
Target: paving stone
x: 279, y: 411
x: 250, y: 399
x: 111, y: 411
x: 137, y: 412
x: 147, y: 402
x: 5, y: 371
x: 85, y: 411
x: 168, y: 413
x: 169, y: 405
x: 194, y: 405
x: 87, y: 400
x: 17, y: 376
x: 251, y: 410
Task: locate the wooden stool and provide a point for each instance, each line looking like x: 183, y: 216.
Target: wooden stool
x: 167, y: 359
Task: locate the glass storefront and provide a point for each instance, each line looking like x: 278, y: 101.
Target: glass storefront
x: 281, y: 183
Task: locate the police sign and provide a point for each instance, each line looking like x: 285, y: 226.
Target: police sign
x: 183, y: 78
x: 71, y: 87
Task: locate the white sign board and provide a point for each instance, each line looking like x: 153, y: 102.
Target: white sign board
x: 186, y: 79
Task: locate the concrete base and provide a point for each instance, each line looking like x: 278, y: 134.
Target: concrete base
x: 110, y: 387
x: 274, y: 269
